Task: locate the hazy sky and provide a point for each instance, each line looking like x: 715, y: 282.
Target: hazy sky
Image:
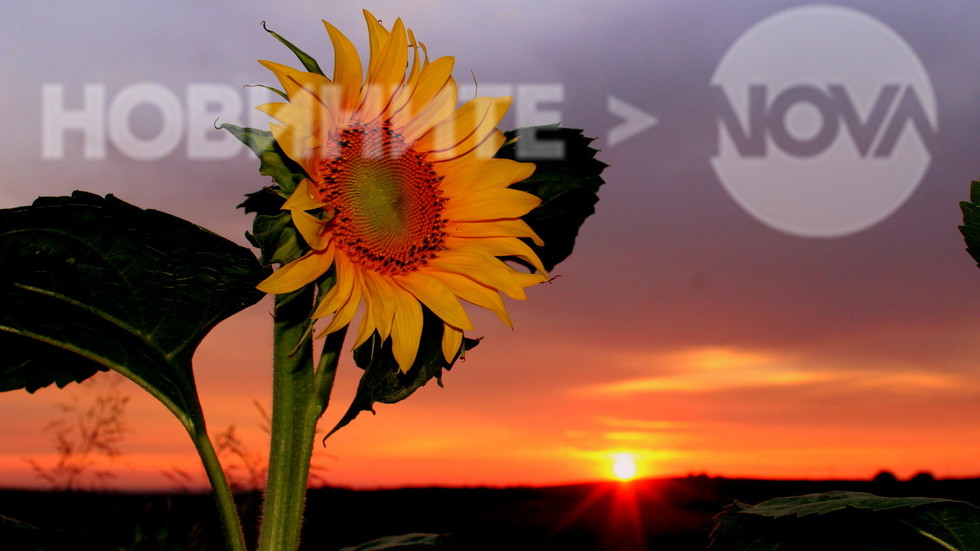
x: 683, y: 329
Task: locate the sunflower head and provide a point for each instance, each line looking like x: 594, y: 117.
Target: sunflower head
x: 403, y: 200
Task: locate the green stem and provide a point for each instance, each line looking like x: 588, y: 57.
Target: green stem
x: 293, y: 423
x: 227, y: 511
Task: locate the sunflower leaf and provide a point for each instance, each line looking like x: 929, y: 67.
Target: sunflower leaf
x: 971, y: 221
x: 383, y: 382
x: 568, y: 187
x: 851, y: 520
x: 92, y: 283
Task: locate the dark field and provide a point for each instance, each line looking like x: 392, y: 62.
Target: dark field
x: 669, y: 514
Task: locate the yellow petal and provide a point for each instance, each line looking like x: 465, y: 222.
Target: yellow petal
x: 477, y: 174
x: 477, y: 136
x: 406, y: 329
x: 297, y: 273
x: 283, y: 72
x: 297, y: 84
x: 347, y: 71
x: 441, y: 106
x: 346, y: 312
x: 525, y: 279
x: 367, y: 326
x: 494, y: 228
x: 436, y: 297
x: 482, y: 268
x: 499, y: 246
x: 302, y: 198
x: 488, y: 147
x: 430, y: 82
x: 457, y: 127
x: 382, y: 303
x: 313, y: 230
x: 490, y: 205
x: 341, y: 292
x: 407, y: 90
x: 452, y: 339
x: 476, y: 293
x: 484, y: 150
x: 377, y: 38
x: 385, y: 75
x: 394, y: 59
x: 299, y: 146
x: 298, y: 117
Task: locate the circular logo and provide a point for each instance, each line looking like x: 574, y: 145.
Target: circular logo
x: 824, y: 119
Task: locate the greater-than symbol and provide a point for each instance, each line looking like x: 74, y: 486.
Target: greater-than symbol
x: 635, y: 120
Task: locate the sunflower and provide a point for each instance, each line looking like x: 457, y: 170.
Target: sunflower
x: 403, y: 199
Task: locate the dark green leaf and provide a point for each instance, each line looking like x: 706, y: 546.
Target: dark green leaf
x: 971, y: 221
x: 384, y: 382
x: 567, y: 185
x: 304, y: 58
x: 92, y: 283
x: 848, y: 520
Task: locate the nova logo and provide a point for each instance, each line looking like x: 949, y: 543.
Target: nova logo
x: 825, y: 117
x: 833, y: 107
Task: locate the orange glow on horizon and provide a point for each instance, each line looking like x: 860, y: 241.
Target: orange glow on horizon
x: 464, y: 436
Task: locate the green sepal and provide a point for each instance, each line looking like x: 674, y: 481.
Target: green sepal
x: 272, y: 89
x: 567, y: 186
x: 383, y: 381
x: 92, y: 283
x: 848, y: 520
x: 273, y: 161
x: 971, y: 221
x: 307, y: 60
x: 272, y: 231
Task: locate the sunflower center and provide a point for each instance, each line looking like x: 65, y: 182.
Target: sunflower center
x: 386, y: 200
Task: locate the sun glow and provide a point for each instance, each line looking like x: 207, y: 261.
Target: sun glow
x: 624, y: 466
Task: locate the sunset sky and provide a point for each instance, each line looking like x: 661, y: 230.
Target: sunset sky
x: 683, y: 329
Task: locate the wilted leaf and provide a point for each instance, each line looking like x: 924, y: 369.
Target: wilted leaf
x: 91, y: 283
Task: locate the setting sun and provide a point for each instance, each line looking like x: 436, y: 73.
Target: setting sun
x: 624, y: 466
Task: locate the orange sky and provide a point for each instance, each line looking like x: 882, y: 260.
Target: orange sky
x: 682, y: 329
x: 718, y: 410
